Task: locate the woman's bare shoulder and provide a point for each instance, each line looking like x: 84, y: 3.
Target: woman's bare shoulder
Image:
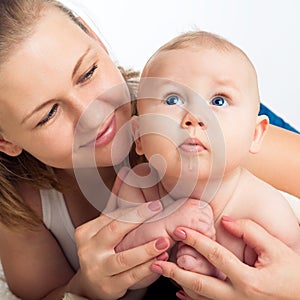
x: 31, y: 196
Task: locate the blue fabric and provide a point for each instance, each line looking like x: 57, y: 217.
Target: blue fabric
x: 275, y: 120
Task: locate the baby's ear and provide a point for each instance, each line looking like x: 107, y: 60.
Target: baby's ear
x: 261, y: 127
x: 9, y: 148
x: 135, y: 128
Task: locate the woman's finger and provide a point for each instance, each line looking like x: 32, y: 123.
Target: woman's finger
x: 253, y: 235
x: 203, y: 285
x: 89, y: 229
x: 134, y: 275
x: 115, y: 231
x: 131, y: 258
x: 216, y: 254
x: 115, y: 225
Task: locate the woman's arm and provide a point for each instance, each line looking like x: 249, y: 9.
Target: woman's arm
x: 275, y: 275
x: 278, y: 162
x: 33, y: 262
x: 36, y: 268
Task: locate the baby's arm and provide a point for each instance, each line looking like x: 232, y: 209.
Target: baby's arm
x: 130, y: 195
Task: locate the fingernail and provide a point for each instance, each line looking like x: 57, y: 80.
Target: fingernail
x: 161, y: 244
x: 227, y: 219
x: 181, y: 234
x: 181, y: 295
x: 164, y: 256
x: 156, y: 269
x: 155, y: 205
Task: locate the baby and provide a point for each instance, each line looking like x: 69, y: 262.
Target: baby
x: 197, y: 120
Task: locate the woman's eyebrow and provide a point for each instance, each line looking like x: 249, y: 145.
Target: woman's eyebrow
x: 79, y: 62
x: 35, y: 110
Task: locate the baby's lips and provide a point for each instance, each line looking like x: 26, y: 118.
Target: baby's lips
x: 192, y: 145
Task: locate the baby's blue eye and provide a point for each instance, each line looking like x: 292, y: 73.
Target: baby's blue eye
x: 219, y: 101
x: 173, y: 100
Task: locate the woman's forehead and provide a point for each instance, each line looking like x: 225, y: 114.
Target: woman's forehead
x: 43, y: 62
x: 56, y: 43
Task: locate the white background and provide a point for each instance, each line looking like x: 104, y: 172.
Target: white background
x: 267, y: 30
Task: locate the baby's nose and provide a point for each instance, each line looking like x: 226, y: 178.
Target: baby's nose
x: 190, y: 120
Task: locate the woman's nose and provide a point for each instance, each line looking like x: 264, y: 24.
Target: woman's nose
x: 89, y: 114
x: 94, y: 115
x: 190, y: 120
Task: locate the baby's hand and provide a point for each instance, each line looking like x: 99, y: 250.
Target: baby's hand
x: 194, y: 214
x: 190, y: 214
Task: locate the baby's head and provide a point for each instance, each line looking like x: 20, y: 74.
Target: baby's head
x: 192, y: 76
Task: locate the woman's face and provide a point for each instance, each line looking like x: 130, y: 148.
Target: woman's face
x: 46, y: 86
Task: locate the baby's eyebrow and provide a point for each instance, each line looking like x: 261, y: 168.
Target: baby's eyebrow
x: 154, y: 87
x: 226, y: 82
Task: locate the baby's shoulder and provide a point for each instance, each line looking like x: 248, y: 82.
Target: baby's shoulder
x: 257, y: 189
x: 256, y: 199
x: 265, y: 205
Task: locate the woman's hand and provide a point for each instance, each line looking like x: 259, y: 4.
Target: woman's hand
x: 275, y: 275
x: 105, y: 274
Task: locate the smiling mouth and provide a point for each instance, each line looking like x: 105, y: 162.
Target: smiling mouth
x: 192, y: 145
x: 105, y: 135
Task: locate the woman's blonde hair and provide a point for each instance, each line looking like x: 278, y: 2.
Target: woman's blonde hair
x: 17, y: 20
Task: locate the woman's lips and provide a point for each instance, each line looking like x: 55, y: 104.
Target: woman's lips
x: 106, y: 135
x: 192, y: 145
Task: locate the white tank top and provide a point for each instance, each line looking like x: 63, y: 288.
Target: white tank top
x: 57, y: 219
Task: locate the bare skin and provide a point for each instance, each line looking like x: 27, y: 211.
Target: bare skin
x: 100, y: 270
x: 280, y: 146
x: 39, y: 114
x: 276, y: 263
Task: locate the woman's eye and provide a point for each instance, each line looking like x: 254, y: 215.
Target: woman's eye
x: 173, y: 100
x: 49, y: 116
x: 219, y: 101
x: 87, y: 75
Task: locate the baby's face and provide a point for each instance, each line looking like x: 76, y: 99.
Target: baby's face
x: 203, y: 102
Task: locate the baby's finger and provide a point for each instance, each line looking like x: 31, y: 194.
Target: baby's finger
x: 126, y: 260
